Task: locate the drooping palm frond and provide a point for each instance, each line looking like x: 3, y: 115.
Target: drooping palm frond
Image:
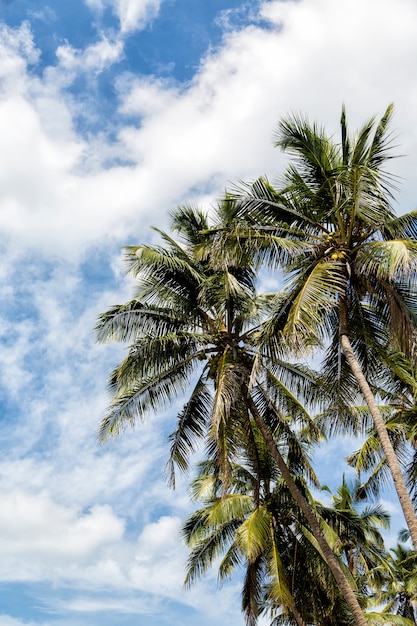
x: 191, y: 428
x: 315, y: 295
x: 126, y: 322
x: 131, y: 404
x: 207, y: 550
x: 387, y: 259
x: 403, y: 226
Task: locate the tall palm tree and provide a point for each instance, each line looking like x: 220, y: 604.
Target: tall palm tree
x: 197, y: 323
x: 352, y: 268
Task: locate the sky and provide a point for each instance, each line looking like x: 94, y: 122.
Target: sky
x: 112, y: 113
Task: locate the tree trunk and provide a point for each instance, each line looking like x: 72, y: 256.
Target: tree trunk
x: 297, y: 615
x: 299, y: 498
x: 393, y: 463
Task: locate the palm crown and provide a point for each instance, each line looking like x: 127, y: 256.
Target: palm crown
x: 192, y: 325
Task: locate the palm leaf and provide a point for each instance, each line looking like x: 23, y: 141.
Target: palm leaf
x: 192, y: 424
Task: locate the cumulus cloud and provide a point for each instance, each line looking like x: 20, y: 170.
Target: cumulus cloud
x: 17, y: 51
x: 158, y: 549
x: 42, y: 540
x: 94, y: 58
x: 49, y: 536
x: 199, y: 138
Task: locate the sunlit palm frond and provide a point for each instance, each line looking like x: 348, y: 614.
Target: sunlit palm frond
x: 161, y: 263
x: 388, y: 259
x: 315, y: 297
x: 253, y: 533
x: 125, y: 322
x: 152, y: 356
x: 205, y: 551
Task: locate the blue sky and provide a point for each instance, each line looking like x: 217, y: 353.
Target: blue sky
x: 113, y: 112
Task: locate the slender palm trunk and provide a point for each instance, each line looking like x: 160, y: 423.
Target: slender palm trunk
x: 299, y: 498
x: 393, y: 463
x: 297, y: 615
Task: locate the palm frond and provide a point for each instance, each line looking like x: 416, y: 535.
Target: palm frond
x: 388, y: 259
x: 316, y: 295
x: 191, y: 428
x: 403, y: 226
x: 205, y: 551
x: 149, y: 394
x: 126, y: 322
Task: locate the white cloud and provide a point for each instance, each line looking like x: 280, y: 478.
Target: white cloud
x: 95, y: 5
x: 40, y: 539
x: 135, y: 14
x: 159, y: 549
x: 17, y: 51
x: 95, y: 58
x: 200, y: 138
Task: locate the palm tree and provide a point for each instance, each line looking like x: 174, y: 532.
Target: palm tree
x: 352, y: 267
x: 399, y: 588
x: 197, y: 323
x: 359, y: 539
x: 255, y: 525
x: 397, y: 584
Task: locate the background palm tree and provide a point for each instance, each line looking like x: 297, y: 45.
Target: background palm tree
x: 357, y: 527
x: 255, y: 526
x: 399, y: 588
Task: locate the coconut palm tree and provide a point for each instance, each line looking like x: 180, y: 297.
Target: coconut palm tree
x: 359, y: 539
x: 254, y: 525
x: 198, y: 323
x: 266, y: 536
x: 351, y: 274
x: 398, y: 591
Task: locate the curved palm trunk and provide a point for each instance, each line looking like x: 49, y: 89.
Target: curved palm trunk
x: 299, y: 498
x: 393, y: 463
